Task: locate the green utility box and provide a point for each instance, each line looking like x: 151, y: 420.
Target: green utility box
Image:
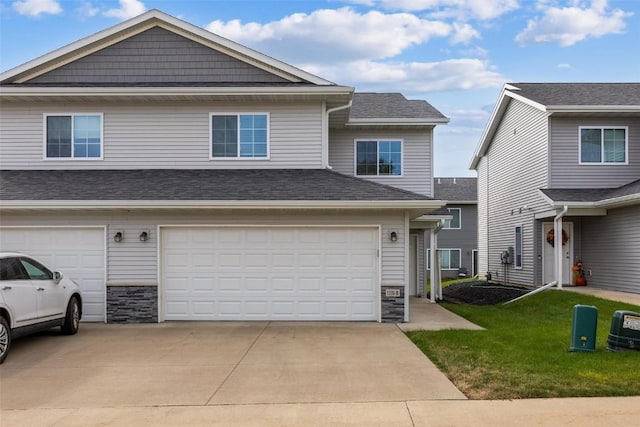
x: 583, y: 331
x: 625, y: 331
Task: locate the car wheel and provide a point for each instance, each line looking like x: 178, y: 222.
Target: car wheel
x: 5, y: 339
x: 72, y: 319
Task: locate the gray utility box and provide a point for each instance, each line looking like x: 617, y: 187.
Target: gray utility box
x: 625, y: 331
x: 583, y: 331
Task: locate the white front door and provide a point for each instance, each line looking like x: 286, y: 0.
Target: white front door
x: 270, y: 273
x: 77, y: 252
x: 548, y: 264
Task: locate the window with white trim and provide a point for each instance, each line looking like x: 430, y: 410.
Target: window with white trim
x: 449, y: 259
x: 73, y: 136
x: 517, y: 248
x: 603, y: 145
x: 378, y: 158
x: 244, y: 135
x: 455, y: 222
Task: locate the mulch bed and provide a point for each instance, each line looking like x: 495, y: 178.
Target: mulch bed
x: 481, y: 293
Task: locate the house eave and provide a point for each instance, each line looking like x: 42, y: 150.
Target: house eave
x: 396, y: 122
x: 593, y: 108
x: 367, y: 205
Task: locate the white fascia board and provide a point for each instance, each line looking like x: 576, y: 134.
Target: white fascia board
x: 396, y: 122
x: 593, y: 108
x: 370, y: 205
x: 156, y: 18
x: 503, y: 101
x: 616, y: 202
x: 15, y: 91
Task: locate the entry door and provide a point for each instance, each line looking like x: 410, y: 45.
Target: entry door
x: 548, y: 265
x: 413, y: 265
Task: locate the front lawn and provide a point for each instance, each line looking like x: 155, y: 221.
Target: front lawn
x: 524, y: 351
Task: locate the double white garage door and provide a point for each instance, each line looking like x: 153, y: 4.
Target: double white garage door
x: 270, y: 273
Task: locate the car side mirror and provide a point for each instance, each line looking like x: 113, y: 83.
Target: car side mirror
x: 57, y: 276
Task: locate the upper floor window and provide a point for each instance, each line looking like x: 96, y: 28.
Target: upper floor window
x: 600, y: 145
x: 73, y: 136
x: 379, y: 157
x: 240, y: 135
x: 454, y: 222
x: 517, y: 252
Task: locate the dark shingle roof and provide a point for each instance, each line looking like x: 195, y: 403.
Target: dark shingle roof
x: 591, y: 194
x: 580, y: 93
x: 199, y: 184
x: 455, y: 189
x: 391, y: 105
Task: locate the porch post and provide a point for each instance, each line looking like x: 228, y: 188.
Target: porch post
x: 433, y: 277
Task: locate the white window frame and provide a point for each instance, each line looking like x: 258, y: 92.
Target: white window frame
x: 447, y: 222
x: 517, y: 250
x: 602, y: 162
x: 72, y: 158
x: 238, y: 114
x: 445, y: 249
x: 377, y: 140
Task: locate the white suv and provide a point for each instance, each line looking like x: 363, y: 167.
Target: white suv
x: 33, y: 298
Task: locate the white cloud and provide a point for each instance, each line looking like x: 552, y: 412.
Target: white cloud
x: 128, y: 9
x: 413, y: 77
x: 565, y: 66
x: 477, y: 9
x: 464, y: 33
x: 339, y: 35
x: 87, y: 10
x: 37, y: 7
x: 567, y: 26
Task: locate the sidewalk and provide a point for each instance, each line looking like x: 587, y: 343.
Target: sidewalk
x: 627, y: 297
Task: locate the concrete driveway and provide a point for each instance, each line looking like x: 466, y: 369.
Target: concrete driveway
x: 206, y: 363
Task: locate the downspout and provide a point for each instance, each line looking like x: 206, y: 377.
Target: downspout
x: 557, y: 254
x: 432, y: 260
x: 557, y: 244
x: 325, y: 133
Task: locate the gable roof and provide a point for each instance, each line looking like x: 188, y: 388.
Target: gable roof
x: 456, y: 189
x: 382, y: 108
x: 152, y: 19
x: 628, y: 194
x: 554, y: 98
x: 202, y: 188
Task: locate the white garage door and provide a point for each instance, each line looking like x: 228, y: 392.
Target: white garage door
x: 270, y: 273
x: 76, y: 252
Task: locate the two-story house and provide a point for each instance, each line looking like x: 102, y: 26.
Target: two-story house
x: 458, y: 238
x: 559, y: 181
x: 178, y: 175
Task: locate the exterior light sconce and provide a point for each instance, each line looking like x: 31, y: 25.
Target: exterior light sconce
x: 144, y: 236
x: 118, y: 236
x: 393, y: 236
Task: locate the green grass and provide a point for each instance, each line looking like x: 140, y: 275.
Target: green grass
x: 524, y: 351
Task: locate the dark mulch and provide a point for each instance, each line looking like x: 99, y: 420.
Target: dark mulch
x: 481, y: 293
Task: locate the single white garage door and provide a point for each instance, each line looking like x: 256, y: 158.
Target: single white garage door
x: 77, y: 252
x: 270, y: 273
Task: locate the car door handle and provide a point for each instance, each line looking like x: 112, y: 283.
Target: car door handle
x: 40, y: 289
x: 7, y: 288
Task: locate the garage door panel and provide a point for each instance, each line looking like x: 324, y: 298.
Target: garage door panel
x: 280, y: 273
x: 77, y: 252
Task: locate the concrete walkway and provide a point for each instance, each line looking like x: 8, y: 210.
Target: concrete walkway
x: 627, y: 297
x: 424, y: 315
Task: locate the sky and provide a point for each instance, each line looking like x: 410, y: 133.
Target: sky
x: 455, y: 54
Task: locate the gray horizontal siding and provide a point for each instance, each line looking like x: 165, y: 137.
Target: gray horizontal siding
x: 417, y: 156
x: 517, y: 168
x: 161, y: 136
x: 157, y: 56
x: 465, y: 238
x: 565, y: 170
x: 132, y: 261
x: 611, y: 249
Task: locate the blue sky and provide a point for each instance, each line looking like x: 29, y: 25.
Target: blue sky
x: 456, y: 54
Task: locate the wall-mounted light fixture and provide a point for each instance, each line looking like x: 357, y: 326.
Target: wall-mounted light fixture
x: 393, y: 236
x: 118, y: 236
x: 144, y: 235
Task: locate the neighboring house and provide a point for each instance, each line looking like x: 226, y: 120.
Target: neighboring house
x: 177, y: 175
x: 458, y: 238
x: 559, y: 180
